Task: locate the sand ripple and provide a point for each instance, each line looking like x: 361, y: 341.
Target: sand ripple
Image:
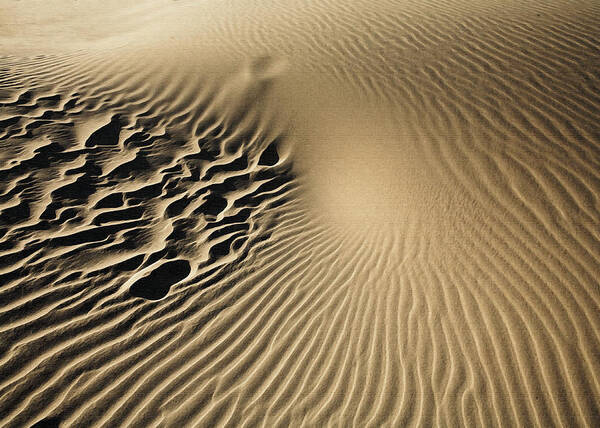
x: 360, y: 214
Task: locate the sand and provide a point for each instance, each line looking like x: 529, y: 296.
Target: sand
x: 300, y: 213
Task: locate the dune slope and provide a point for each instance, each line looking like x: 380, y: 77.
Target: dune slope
x: 300, y: 213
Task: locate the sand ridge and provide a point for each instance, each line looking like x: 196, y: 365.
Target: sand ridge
x: 300, y: 214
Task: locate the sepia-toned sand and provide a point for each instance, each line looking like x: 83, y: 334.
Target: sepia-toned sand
x: 300, y: 213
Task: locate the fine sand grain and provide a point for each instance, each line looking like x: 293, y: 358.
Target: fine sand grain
x: 300, y: 213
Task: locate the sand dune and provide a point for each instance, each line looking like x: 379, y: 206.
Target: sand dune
x: 300, y: 213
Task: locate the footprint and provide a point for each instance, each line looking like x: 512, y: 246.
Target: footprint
x: 157, y: 284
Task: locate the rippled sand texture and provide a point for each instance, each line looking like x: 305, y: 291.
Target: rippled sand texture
x: 300, y: 213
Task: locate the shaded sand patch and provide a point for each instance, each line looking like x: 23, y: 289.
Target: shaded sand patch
x: 156, y: 284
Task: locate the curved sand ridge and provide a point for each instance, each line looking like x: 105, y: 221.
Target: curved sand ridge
x: 340, y: 214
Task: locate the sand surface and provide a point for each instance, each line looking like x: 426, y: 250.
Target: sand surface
x: 300, y: 213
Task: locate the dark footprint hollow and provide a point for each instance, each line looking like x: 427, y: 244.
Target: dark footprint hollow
x: 47, y: 423
x: 213, y: 205
x: 108, y: 135
x: 269, y: 156
x: 157, y: 284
